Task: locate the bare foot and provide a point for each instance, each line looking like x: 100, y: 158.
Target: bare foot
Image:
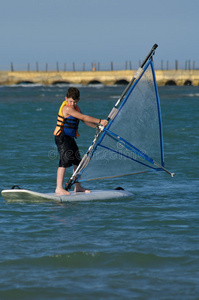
x: 78, y: 188
x: 61, y: 191
x: 81, y: 189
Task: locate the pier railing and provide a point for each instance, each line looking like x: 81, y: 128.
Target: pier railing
x: 97, y: 66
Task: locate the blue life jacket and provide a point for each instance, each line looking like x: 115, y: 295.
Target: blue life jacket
x: 70, y: 126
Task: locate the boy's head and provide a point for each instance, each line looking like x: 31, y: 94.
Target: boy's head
x: 73, y: 93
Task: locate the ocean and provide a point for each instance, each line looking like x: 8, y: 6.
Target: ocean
x: 144, y: 247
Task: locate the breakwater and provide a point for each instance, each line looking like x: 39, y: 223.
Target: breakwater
x: 164, y: 77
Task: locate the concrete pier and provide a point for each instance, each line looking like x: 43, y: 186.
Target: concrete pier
x: 167, y: 77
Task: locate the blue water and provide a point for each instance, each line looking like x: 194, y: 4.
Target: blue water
x: 144, y: 247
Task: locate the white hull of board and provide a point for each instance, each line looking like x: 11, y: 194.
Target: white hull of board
x: 22, y: 195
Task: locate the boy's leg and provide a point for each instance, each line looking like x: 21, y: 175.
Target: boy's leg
x: 60, y: 178
x: 78, y: 188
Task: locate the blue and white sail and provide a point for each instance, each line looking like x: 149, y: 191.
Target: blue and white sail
x: 132, y: 141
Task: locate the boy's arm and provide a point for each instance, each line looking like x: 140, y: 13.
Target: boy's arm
x: 90, y: 124
x: 90, y: 121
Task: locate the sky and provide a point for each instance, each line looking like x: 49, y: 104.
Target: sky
x: 99, y: 31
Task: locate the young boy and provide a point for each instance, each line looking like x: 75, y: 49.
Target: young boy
x: 65, y: 133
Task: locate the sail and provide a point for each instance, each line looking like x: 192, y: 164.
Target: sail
x: 132, y: 141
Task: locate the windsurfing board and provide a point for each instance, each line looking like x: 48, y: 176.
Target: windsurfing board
x: 22, y: 195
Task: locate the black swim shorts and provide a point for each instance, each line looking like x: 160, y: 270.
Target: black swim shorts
x: 68, y: 151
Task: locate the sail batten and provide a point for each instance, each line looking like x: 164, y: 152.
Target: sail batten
x: 126, y: 156
x: 129, y: 146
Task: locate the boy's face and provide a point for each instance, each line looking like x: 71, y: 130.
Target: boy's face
x: 71, y: 102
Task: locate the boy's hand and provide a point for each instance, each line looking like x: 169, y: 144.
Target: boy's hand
x: 104, y: 123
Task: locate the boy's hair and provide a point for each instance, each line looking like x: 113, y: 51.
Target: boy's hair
x: 73, y: 93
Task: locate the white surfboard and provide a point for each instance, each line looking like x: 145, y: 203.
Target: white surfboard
x: 21, y: 195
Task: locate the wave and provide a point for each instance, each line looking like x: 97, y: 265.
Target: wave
x: 192, y: 95
x: 101, y: 260
x: 23, y: 85
x: 60, y: 85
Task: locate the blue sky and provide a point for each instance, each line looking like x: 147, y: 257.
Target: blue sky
x: 85, y: 31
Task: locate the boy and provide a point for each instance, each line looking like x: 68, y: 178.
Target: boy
x: 65, y: 133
